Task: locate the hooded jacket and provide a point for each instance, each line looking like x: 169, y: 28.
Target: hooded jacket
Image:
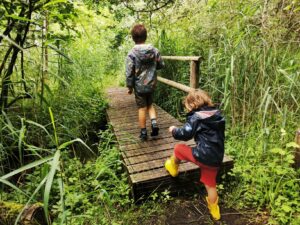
x: 207, y: 126
x: 141, y: 64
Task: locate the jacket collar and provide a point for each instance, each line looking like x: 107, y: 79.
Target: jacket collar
x: 203, y: 108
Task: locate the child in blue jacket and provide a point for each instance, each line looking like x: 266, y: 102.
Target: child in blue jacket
x: 206, y: 125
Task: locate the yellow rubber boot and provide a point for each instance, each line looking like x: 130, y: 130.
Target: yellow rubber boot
x: 171, y: 166
x: 214, y: 209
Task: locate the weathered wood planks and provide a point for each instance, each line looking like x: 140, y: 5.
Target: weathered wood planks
x: 144, y: 161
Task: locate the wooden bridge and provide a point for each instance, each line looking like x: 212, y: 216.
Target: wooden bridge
x: 144, y: 161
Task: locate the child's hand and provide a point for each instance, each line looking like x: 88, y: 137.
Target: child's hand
x: 129, y: 91
x: 171, y: 128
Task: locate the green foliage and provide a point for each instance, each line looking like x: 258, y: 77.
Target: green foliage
x: 263, y: 177
x: 251, y: 67
x: 96, y: 190
x: 238, y: 55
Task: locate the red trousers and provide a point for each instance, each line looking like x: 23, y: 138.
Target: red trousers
x: 208, y: 173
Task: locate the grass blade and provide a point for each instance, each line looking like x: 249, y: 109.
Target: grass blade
x: 21, y: 138
x: 49, y: 183
x: 64, y: 145
x: 28, y: 166
x: 29, y: 200
x: 12, y: 186
x: 53, y: 124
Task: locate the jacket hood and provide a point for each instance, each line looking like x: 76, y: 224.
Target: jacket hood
x: 210, y: 116
x: 144, y: 52
x: 204, y: 112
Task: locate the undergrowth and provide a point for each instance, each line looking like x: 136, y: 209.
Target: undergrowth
x: 59, y: 152
x: 263, y: 177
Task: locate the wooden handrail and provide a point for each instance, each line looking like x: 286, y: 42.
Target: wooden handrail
x: 183, y: 58
x: 174, y: 84
x: 194, y: 72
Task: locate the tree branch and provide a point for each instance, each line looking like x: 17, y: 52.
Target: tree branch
x: 5, y: 59
x: 23, y: 96
x: 10, y: 22
x: 126, y: 3
x: 23, y: 72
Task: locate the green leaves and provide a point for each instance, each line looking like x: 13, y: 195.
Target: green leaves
x: 19, y: 18
x: 49, y: 183
x: 64, y: 145
x: 53, y: 125
x: 292, y: 145
x: 27, y: 167
x: 54, y: 2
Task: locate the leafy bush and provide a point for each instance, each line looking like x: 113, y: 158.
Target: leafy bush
x: 263, y: 177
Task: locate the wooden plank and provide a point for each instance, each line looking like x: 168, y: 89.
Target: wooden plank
x: 142, y: 151
x: 135, y: 136
x: 163, y: 128
x: 150, y: 157
x: 183, y: 58
x: 171, y: 142
x: 147, y: 175
x: 123, y: 116
x: 122, y: 105
x: 116, y: 113
x: 127, y: 126
x: 146, y: 144
x: 157, y: 162
x: 134, y: 139
x: 159, y: 173
x: 151, y: 141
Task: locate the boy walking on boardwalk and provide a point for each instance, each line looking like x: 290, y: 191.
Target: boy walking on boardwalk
x: 206, y: 125
x: 141, y: 64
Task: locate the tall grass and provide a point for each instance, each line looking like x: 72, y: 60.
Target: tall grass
x: 35, y: 144
x: 250, y: 81
x: 251, y: 66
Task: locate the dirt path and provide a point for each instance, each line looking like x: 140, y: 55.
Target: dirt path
x: 195, y: 212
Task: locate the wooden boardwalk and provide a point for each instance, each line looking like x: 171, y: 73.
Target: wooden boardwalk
x: 144, y: 161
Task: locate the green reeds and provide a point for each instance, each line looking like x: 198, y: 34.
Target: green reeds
x: 52, y: 158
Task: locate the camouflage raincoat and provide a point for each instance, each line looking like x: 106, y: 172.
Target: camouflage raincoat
x: 141, y: 64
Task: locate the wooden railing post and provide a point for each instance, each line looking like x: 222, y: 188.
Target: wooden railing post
x: 297, y: 150
x: 194, y: 74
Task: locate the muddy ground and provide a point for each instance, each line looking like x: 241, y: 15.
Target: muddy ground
x: 195, y: 212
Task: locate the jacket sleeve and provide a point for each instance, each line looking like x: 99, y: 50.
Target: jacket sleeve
x: 160, y: 63
x: 130, y: 72
x: 187, y: 132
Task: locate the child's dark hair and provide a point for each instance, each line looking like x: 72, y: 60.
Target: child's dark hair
x: 139, y: 33
x: 196, y: 99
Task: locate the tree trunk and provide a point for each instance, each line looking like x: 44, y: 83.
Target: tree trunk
x: 32, y: 215
x: 44, y: 57
x: 6, y: 81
